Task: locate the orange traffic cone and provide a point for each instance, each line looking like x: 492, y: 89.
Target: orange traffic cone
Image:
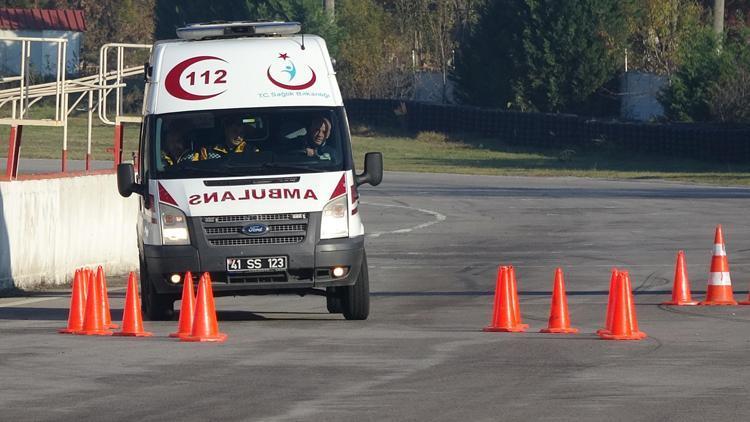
x: 631, y: 306
x: 187, y: 308
x: 719, y: 289
x: 205, y: 325
x: 610, y: 302
x: 132, y: 320
x: 503, y: 314
x: 559, y: 320
x: 77, y: 305
x: 622, y: 317
x: 514, y: 297
x: 681, y: 286
x: 86, y: 281
x: 93, y: 320
x: 102, y: 280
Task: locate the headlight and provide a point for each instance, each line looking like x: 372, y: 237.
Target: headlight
x: 335, y: 221
x: 174, y: 229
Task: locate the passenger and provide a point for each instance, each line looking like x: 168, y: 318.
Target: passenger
x: 316, y: 140
x: 234, y: 141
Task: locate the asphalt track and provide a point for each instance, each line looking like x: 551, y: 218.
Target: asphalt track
x: 435, y: 242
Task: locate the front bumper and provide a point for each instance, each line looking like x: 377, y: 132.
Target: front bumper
x: 309, y: 266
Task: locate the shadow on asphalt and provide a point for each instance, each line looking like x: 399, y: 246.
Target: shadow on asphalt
x: 542, y: 293
x: 35, y: 314
x: 270, y: 316
x: 61, y: 314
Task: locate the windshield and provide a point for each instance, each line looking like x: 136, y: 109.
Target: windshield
x: 247, y: 142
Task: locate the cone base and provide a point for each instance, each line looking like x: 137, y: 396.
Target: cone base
x: 719, y: 296
x: 718, y: 303
x: 688, y: 303
x: 607, y: 336
x: 179, y: 335
x: 604, y: 331
x: 219, y: 338
x: 113, y: 326
x: 94, y: 333
x: 744, y: 302
x: 68, y: 331
x: 518, y: 329
x: 141, y: 334
x: 559, y: 330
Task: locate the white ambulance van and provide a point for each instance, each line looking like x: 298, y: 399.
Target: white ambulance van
x: 245, y: 170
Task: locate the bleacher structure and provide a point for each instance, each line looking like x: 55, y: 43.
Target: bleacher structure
x: 17, y: 93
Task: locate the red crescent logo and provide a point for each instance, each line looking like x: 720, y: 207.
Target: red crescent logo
x: 305, y: 85
x: 172, y: 81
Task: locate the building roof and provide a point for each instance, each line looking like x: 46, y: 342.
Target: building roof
x: 41, y: 19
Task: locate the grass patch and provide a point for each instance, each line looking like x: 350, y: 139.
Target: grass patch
x: 466, y: 154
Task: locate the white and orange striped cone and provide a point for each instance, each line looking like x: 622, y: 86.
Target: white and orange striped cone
x: 719, y: 289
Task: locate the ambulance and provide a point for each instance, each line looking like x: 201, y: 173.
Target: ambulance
x: 245, y: 170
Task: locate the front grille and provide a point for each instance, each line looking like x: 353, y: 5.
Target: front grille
x: 271, y: 227
x: 287, y: 228
x: 257, y: 241
x: 248, y: 218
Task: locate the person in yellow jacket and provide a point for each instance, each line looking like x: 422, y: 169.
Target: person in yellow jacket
x: 234, y: 142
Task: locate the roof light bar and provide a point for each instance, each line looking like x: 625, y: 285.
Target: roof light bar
x: 200, y: 31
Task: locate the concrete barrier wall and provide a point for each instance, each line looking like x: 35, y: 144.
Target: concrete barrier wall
x: 50, y: 227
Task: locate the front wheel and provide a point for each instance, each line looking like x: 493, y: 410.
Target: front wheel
x: 333, y: 300
x: 355, y: 300
x: 155, y: 307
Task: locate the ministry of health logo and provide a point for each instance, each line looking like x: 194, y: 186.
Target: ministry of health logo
x: 284, y: 74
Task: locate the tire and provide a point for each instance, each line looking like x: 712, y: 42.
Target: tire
x: 333, y: 301
x: 155, y: 307
x: 355, y: 300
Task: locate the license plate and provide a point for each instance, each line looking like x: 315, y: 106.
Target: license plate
x: 266, y: 263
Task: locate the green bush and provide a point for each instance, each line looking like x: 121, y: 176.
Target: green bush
x: 541, y: 55
x: 711, y: 83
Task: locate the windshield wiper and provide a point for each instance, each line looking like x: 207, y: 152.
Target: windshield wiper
x: 224, y: 171
x: 288, y: 167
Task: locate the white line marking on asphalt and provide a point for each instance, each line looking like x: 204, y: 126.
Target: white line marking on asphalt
x: 438, y: 218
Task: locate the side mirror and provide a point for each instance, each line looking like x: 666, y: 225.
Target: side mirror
x: 373, y: 173
x: 126, y: 180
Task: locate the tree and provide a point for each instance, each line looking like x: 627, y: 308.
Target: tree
x: 371, y: 53
x: 542, y: 55
x: 658, y: 28
x: 128, y: 21
x: 712, y: 83
x: 172, y: 15
x: 434, y: 28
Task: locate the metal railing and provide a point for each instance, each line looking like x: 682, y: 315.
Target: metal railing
x: 98, y: 88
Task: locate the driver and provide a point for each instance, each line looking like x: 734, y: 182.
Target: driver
x: 316, y: 140
x: 176, y: 146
